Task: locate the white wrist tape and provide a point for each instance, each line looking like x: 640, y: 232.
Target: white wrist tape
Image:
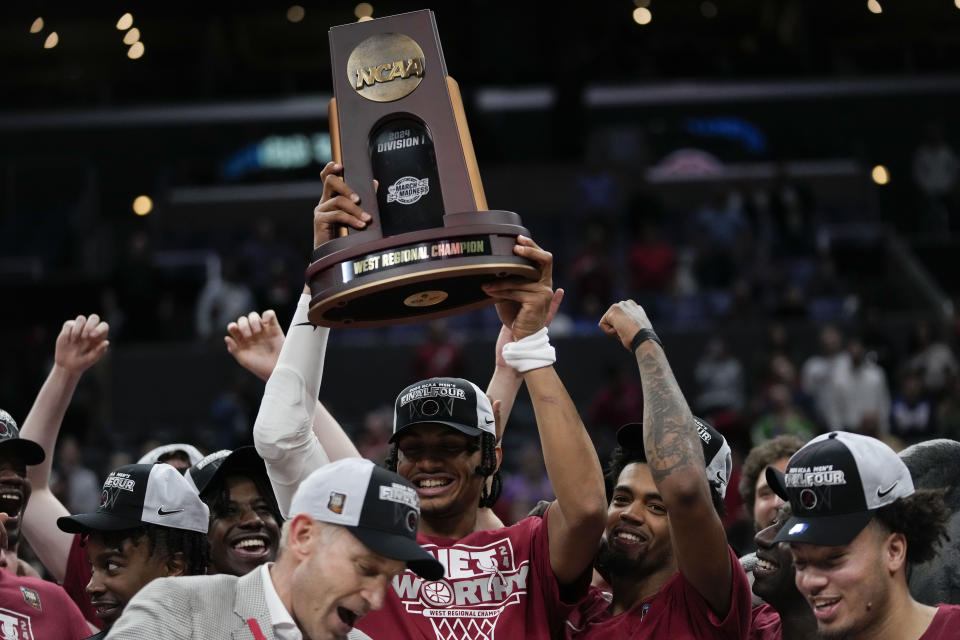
x: 531, y: 352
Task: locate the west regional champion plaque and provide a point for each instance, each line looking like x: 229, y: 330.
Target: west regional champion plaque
x: 397, y: 117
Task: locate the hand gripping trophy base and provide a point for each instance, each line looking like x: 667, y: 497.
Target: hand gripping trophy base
x: 415, y: 276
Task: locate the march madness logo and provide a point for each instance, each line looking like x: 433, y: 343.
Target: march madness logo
x: 478, y: 584
x: 14, y: 626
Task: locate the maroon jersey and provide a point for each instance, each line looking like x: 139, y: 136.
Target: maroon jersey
x: 765, y: 624
x: 945, y: 623
x: 677, y: 612
x: 32, y: 609
x: 75, y: 580
x: 496, y: 584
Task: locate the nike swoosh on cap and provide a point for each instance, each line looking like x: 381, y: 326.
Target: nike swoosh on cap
x: 881, y: 494
x: 161, y: 512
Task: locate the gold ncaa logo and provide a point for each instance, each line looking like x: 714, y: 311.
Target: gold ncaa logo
x: 386, y: 67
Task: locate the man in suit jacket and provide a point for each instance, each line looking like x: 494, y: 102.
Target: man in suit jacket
x: 353, y: 530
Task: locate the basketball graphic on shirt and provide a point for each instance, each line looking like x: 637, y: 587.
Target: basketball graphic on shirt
x: 480, y: 582
x: 438, y: 594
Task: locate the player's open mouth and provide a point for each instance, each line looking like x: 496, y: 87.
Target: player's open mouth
x: 432, y: 485
x: 627, y: 538
x: 251, y: 545
x: 825, y: 608
x: 348, y: 617
x: 765, y: 566
x: 10, y: 502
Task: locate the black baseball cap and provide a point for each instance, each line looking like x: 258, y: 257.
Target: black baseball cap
x: 12, y: 444
x: 138, y: 494
x: 377, y: 506
x: 716, y: 450
x: 210, y: 470
x: 453, y: 402
x: 834, y: 484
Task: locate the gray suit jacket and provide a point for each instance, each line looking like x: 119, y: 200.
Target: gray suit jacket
x: 194, y: 607
x: 198, y: 608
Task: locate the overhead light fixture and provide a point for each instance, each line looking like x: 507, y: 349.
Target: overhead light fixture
x: 131, y: 36
x: 125, y: 22
x: 296, y: 13
x: 37, y: 25
x: 142, y: 205
x: 880, y: 174
x: 874, y: 6
x: 642, y: 15
x: 52, y: 40
x: 135, y: 51
x: 363, y: 10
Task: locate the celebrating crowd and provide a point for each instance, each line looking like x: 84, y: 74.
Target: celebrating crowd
x: 300, y: 537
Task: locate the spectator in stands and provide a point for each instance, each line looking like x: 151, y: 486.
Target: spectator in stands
x: 617, y: 401
x: 244, y: 517
x: 817, y: 373
x: 373, y: 442
x: 528, y: 485
x: 912, y: 416
x: 720, y: 379
x: 82, y: 485
x: 860, y: 399
x: 758, y: 497
x: 935, y: 171
x: 592, y: 270
x: 439, y: 356
x: 224, y: 297
x: 933, y: 360
x: 652, y: 261
x: 857, y: 522
x: 664, y: 551
x: 782, y: 418
x: 353, y: 531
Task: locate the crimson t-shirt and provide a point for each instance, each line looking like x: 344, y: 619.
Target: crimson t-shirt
x: 75, y: 580
x: 496, y: 584
x: 32, y: 609
x: 677, y: 612
x: 766, y: 623
x: 945, y: 623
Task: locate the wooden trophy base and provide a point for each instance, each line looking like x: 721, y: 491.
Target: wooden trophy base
x: 414, y: 276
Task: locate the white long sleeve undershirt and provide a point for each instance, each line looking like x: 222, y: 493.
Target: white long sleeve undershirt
x: 283, y: 432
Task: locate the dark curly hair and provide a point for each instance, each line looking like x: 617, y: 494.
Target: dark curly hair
x: 622, y: 456
x: 487, y: 444
x: 166, y: 541
x: 218, y: 497
x: 921, y: 518
x: 761, y: 457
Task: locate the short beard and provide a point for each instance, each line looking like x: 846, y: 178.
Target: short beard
x: 616, y: 564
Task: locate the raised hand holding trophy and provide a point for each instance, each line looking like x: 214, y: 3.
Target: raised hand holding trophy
x: 397, y: 118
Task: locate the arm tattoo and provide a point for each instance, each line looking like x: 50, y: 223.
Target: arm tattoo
x: 670, y: 439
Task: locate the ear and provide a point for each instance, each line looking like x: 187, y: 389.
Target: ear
x: 175, y: 565
x: 498, y: 450
x: 895, y: 552
x: 303, y: 530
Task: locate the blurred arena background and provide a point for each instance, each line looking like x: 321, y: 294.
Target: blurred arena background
x: 751, y: 171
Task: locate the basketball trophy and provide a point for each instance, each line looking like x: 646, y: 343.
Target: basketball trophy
x: 397, y: 117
